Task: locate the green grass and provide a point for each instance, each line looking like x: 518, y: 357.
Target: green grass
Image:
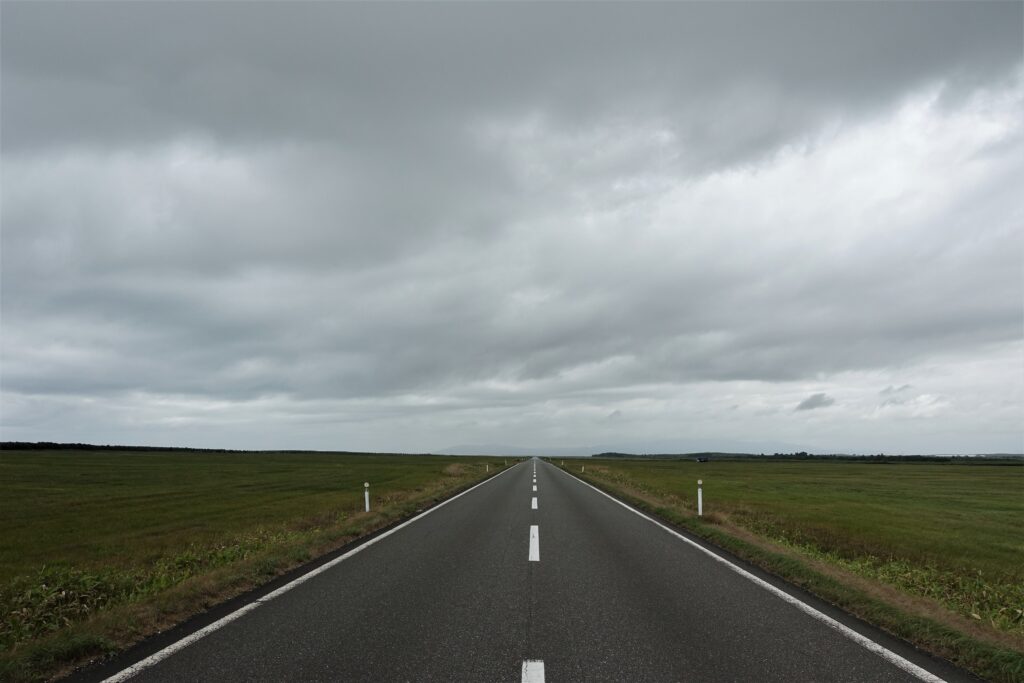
x: 101, y: 548
x: 942, y: 532
x: 949, y: 521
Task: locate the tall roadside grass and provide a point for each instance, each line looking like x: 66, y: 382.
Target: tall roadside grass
x: 57, y: 596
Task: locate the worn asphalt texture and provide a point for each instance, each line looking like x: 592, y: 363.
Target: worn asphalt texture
x: 453, y: 597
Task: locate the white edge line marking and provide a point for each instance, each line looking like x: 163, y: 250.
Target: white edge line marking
x: 534, y: 543
x: 863, y: 641
x: 533, y: 505
x: 533, y: 671
x: 174, y: 647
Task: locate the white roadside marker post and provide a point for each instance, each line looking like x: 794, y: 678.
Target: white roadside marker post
x: 366, y: 494
x: 487, y: 468
x: 581, y: 467
x: 700, y: 498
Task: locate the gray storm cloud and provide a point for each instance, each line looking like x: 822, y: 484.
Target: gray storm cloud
x: 816, y: 401
x: 403, y: 226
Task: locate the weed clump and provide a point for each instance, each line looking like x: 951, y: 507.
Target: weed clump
x: 55, y: 597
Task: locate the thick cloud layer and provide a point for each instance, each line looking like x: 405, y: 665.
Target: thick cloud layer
x: 405, y: 226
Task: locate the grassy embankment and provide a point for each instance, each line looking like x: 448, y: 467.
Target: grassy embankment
x: 100, y: 549
x: 932, y: 553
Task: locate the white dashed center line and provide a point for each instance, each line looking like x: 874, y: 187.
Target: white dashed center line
x: 535, y: 487
x: 534, y: 544
x: 533, y: 505
x: 533, y: 671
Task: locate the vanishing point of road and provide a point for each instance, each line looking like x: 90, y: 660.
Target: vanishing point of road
x: 534, y: 576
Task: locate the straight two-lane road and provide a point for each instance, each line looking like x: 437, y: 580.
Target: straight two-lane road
x: 532, y: 576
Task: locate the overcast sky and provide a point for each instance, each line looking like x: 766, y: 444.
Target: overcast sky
x: 395, y: 226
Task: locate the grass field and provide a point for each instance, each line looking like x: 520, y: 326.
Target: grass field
x: 942, y: 533
x: 101, y: 548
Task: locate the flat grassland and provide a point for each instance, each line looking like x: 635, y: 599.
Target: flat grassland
x: 942, y: 543
x: 100, y: 548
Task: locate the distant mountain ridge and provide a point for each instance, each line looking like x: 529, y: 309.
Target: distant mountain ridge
x: 686, y: 448
x: 637, y: 447
x: 500, y: 449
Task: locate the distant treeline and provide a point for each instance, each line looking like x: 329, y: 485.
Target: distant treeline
x: 804, y: 455
x: 50, y: 446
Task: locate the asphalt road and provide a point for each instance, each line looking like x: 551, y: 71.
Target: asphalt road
x: 489, y: 588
